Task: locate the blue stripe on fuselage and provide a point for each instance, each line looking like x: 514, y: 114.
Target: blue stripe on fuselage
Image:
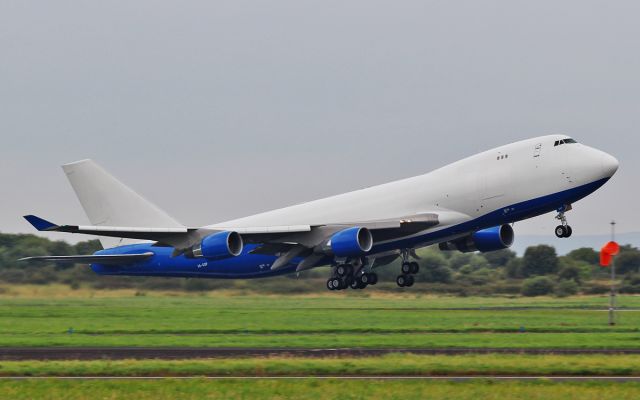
x: 249, y: 265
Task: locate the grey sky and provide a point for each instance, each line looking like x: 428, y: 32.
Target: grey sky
x: 215, y: 110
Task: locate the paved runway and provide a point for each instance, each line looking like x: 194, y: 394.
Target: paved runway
x: 172, y: 353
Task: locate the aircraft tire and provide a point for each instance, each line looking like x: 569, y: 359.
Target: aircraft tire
x: 410, y: 281
x: 569, y: 231
x: 406, y: 268
x: 561, y: 231
x: 330, y: 284
x: 401, y: 280
x: 415, y: 267
x: 373, y: 278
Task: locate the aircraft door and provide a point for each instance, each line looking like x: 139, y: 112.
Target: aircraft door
x: 496, y: 180
x: 537, y: 149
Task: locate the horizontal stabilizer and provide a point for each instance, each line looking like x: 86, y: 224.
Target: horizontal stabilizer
x: 157, y: 234
x: 39, y: 223
x: 93, y: 259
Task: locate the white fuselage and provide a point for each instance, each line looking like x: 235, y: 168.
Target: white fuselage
x: 473, y: 187
x: 487, y: 190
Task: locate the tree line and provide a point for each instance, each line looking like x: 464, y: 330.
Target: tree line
x: 539, y: 271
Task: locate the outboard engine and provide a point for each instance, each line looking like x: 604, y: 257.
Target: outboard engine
x: 490, y: 239
x: 350, y: 242
x: 217, y: 246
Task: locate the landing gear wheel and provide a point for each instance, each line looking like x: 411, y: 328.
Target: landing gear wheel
x: 401, y: 280
x: 415, y: 267
x: 347, y: 281
x: 406, y: 268
x: 354, y: 284
x: 410, y: 281
x: 373, y: 278
x: 330, y: 284
x: 364, y: 278
x: 561, y: 231
x: 336, y: 283
x: 569, y: 231
x: 343, y: 270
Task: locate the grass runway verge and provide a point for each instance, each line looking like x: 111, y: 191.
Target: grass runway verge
x: 389, y: 365
x: 44, y: 316
x: 315, y: 389
x: 329, y: 321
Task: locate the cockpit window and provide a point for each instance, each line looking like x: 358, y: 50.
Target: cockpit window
x: 564, y: 141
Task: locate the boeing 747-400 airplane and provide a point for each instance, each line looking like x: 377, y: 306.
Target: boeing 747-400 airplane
x: 465, y: 206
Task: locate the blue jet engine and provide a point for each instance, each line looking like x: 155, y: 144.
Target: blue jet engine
x: 490, y: 239
x: 350, y: 242
x: 219, y: 245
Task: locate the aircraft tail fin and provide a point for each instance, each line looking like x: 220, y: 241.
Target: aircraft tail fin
x: 109, y: 202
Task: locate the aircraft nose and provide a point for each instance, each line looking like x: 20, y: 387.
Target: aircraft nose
x: 609, y: 164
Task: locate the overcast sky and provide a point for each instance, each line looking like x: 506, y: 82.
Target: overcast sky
x: 220, y: 109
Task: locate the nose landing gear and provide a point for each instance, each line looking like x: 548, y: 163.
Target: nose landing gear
x: 564, y: 229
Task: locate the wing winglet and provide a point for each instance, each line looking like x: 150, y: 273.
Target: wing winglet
x: 39, y: 223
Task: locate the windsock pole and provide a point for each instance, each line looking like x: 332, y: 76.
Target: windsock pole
x: 612, y: 296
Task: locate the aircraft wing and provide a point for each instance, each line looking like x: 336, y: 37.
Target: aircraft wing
x: 292, y: 240
x: 93, y: 259
x: 180, y: 238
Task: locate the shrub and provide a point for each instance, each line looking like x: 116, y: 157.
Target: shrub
x: 566, y: 287
x: 538, y: 286
x: 595, y: 288
x: 630, y: 289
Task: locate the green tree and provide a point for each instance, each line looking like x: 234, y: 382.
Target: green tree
x: 513, y: 268
x: 628, y: 261
x: 539, y: 260
x: 478, y: 262
x: 537, y: 286
x: 569, y: 268
x: 88, y: 247
x: 585, y: 254
x: 434, y: 268
x: 499, y: 258
x: 459, y: 260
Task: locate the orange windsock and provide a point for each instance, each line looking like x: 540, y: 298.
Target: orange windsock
x: 607, y: 252
x: 605, y: 259
x: 612, y: 248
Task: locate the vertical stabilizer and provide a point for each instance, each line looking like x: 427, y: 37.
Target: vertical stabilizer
x: 109, y: 202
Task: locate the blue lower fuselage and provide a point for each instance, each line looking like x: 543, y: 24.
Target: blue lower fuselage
x: 248, y: 265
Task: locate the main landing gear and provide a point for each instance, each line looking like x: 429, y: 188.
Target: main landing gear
x: 564, y: 229
x: 408, y: 269
x: 349, y: 276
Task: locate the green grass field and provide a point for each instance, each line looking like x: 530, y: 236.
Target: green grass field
x: 388, y: 365
x: 43, y: 316
x: 315, y: 389
x: 316, y: 321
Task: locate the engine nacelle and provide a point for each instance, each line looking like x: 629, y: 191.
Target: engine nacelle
x: 219, y: 245
x: 350, y: 242
x: 490, y: 239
